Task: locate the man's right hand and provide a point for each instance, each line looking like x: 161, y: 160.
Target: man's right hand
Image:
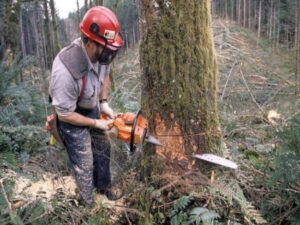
x: 103, y: 124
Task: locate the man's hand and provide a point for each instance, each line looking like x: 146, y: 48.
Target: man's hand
x: 103, y: 124
x: 104, y: 108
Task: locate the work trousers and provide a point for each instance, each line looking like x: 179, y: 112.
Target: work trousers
x: 89, y: 155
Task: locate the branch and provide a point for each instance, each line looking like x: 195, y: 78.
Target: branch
x: 251, y: 94
x: 223, y: 93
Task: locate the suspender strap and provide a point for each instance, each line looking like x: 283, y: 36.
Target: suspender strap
x: 82, y: 88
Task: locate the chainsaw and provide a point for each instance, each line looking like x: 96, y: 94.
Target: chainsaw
x: 132, y: 128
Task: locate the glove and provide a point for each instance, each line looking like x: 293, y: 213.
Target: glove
x: 104, y: 108
x: 103, y: 124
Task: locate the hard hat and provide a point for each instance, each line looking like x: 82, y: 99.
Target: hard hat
x: 101, y: 25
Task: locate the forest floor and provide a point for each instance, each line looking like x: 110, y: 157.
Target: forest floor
x: 256, y: 98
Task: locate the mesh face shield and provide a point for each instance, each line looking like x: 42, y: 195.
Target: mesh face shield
x: 107, y: 56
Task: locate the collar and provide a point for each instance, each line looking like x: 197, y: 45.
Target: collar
x: 91, y: 66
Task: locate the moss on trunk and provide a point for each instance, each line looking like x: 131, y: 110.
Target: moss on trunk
x: 180, y: 77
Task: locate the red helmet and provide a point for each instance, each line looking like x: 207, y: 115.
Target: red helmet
x: 100, y: 24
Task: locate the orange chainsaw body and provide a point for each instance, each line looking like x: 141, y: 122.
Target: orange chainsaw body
x: 124, y: 123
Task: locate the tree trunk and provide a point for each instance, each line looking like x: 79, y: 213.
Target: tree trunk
x: 255, y: 15
x: 297, y: 50
x: 78, y: 12
x: 259, y: 21
x: 55, y: 30
x: 179, y: 80
x: 49, y: 46
x: 21, y: 33
x: 278, y: 29
x: 232, y: 9
x: 245, y: 13
x: 271, y: 21
x: 226, y: 10
x: 239, y: 12
x: 249, y: 14
x: 86, y: 7
x: 296, y: 25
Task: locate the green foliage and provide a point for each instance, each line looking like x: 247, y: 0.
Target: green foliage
x: 284, y: 181
x: 9, y: 70
x: 182, y: 215
x: 126, y: 12
x: 100, y: 218
x: 287, y: 160
x: 19, y: 103
x: 24, y: 137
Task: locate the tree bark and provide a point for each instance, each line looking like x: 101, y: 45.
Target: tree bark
x: 296, y: 25
x: 78, y: 12
x: 249, y: 14
x: 226, y: 10
x: 278, y: 28
x: 57, y: 46
x: 86, y: 5
x: 232, y: 9
x: 49, y: 46
x: 297, y: 50
x: 239, y: 12
x: 179, y: 79
x: 245, y: 13
x: 259, y: 21
x: 21, y: 32
x: 271, y: 21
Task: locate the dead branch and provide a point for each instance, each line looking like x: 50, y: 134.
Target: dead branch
x: 223, y: 93
x: 251, y: 94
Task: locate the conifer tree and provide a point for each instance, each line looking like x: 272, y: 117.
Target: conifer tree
x: 179, y: 80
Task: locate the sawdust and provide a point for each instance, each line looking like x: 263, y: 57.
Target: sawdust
x: 45, y: 188
x: 172, y: 141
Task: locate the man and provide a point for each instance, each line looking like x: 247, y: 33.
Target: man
x: 79, y: 88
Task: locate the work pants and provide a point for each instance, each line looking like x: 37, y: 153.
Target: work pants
x: 89, y: 155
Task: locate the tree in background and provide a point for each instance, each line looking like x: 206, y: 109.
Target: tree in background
x: 274, y: 19
x: 49, y: 45
x: 57, y: 45
x: 179, y: 80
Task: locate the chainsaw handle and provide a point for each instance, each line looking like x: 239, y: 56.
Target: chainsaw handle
x: 133, y: 130
x: 104, y: 116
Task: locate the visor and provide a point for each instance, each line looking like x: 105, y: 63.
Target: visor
x: 110, y: 50
x: 107, y: 56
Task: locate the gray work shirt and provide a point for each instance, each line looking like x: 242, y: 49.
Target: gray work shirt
x: 65, y: 90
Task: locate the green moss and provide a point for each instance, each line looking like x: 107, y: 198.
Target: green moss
x: 180, y: 71
x: 250, y: 153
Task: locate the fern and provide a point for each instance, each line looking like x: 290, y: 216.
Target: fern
x: 233, y: 192
x: 199, y: 214
x: 181, y: 204
x: 181, y: 215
